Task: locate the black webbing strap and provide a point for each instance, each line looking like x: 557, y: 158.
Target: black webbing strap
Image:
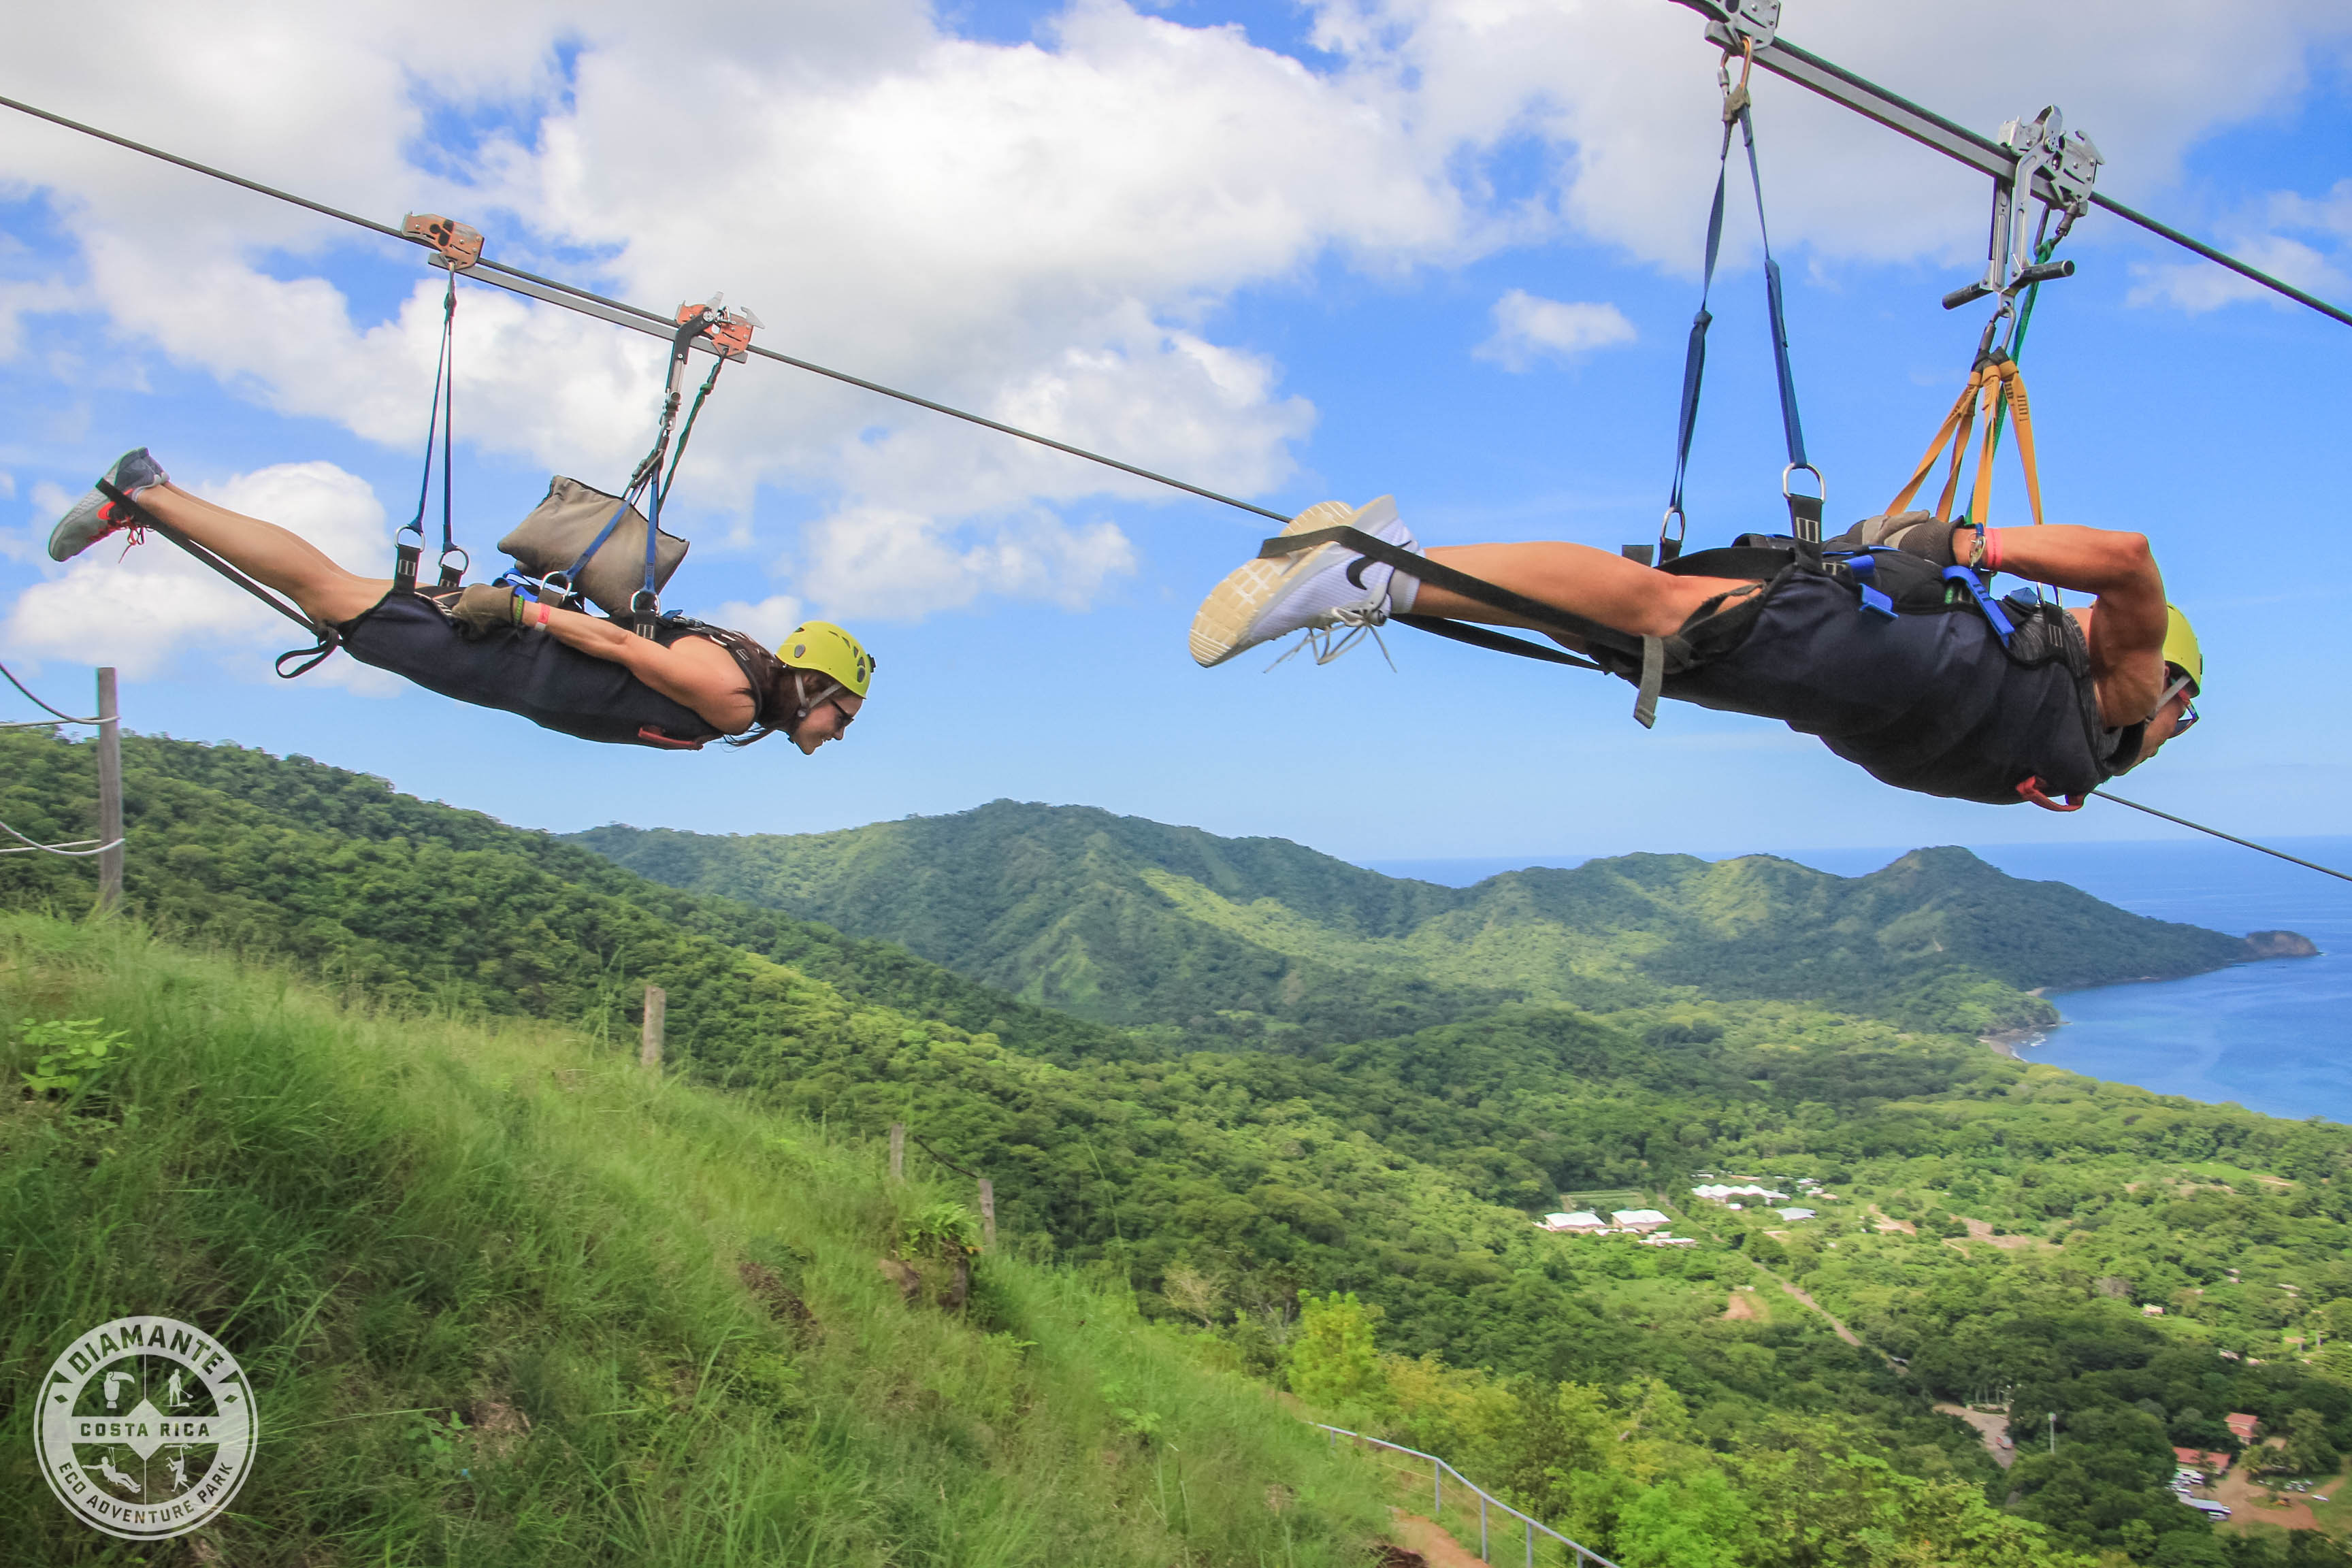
x: 1493, y: 641
x: 329, y: 638
x: 1658, y: 655
x: 1550, y: 617
x: 442, y: 420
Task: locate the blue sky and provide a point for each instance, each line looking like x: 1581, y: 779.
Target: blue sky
x: 1261, y: 245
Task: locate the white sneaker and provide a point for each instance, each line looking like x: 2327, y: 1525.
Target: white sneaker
x: 94, y: 516
x: 1310, y: 592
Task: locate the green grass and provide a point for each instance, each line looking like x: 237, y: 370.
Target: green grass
x: 393, y: 1223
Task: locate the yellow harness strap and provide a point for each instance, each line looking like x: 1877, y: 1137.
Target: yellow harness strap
x: 1989, y: 387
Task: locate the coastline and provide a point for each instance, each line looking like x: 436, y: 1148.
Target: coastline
x: 2009, y: 1042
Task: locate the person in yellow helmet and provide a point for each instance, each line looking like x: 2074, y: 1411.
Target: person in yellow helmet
x: 1883, y: 642
x: 577, y: 674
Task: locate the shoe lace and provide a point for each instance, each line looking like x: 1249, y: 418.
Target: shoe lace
x: 1359, y: 620
x: 133, y: 532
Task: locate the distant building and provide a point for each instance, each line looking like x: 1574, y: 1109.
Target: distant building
x: 1719, y: 1191
x: 1663, y: 1239
x: 2151, y: 1310
x: 2242, y: 1426
x: 1640, y: 1222
x: 1581, y: 1223
x: 1794, y: 1214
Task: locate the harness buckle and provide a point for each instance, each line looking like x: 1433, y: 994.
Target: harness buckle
x: 1805, y: 511
x: 405, y: 557
x: 1863, y: 565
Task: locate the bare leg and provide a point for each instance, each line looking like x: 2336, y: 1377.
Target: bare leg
x: 269, y: 555
x: 1618, y: 592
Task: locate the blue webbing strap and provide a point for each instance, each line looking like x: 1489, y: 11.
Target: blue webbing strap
x: 1875, y: 601
x: 1695, y: 359
x: 2002, y: 625
x: 1804, y: 511
x: 571, y: 573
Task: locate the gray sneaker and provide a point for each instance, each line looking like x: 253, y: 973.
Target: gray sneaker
x: 95, y: 516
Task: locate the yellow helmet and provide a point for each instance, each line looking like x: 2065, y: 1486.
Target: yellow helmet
x: 829, y: 650
x: 2180, y: 647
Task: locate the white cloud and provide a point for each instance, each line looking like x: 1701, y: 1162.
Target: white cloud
x: 880, y: 564
x: 768, y: 620
x: 1528, y: 327
x: 2265, y: 241
x: 1624, y: 97
x: 134, y: 607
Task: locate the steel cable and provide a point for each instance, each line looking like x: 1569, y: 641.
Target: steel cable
x: 63, y: 717
x: 2245, y: 842
x: 486, y: 265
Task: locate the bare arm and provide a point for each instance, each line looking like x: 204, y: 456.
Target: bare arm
x: 693, y: 672
x: 2128, y: 620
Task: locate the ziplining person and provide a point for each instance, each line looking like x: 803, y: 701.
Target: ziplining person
x: 580, y: 675
x: 1880, y: 641
x: 1945, y: 692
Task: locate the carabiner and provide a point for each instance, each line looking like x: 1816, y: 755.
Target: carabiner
x: 1820, y: 485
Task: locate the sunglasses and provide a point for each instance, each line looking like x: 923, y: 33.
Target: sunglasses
x: 2188, y: 720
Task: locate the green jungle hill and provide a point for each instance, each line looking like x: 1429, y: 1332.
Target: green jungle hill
x: 1134, y: 923
x: 1347, y: 1218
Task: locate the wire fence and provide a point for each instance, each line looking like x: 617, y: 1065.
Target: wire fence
x: 107, y: 847
x: 1530, y: 1528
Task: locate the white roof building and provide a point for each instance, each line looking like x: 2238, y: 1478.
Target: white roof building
x: 1719, y: 1191
x: 1638, y: 1220
x: 1794, y: 1214
x: 1581, y: 1222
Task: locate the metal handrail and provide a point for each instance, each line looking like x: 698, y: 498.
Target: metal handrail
x: 1439, y: 1469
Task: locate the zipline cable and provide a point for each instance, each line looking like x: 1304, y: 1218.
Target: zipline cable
x: 63, y: 717
x: 665, y: 327
x: 1931, y: 130
x: 2246, y: 842
x: 65, y: 850
x: 71, y: 849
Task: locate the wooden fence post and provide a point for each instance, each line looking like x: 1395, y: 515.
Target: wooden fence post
x: 987, y: 1215
x: 898, y: 1150
x: 109, y: 794
x: 649, y: 1053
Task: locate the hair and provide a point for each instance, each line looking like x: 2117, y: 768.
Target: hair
x: 767, y: 681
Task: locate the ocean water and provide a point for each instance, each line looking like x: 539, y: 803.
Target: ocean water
x: 2274, y: 1036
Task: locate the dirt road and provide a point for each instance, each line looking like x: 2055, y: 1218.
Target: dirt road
x: 1433, y: 1542
x: 1990, y: 1427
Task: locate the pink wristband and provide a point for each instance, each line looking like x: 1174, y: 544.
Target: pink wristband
x: 1991, y: 538
x: 542, y: 613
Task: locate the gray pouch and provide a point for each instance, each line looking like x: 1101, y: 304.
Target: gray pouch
x: 551, y: 538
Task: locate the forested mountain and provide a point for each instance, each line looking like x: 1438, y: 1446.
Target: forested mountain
x: 1997, y: 1235
x: 1134, y: 922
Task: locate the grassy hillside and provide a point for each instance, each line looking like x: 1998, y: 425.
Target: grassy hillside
x: 1998, y: 1228
x: 418, y: 904
x: 1134, y: 923
x: 504, y: 1302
